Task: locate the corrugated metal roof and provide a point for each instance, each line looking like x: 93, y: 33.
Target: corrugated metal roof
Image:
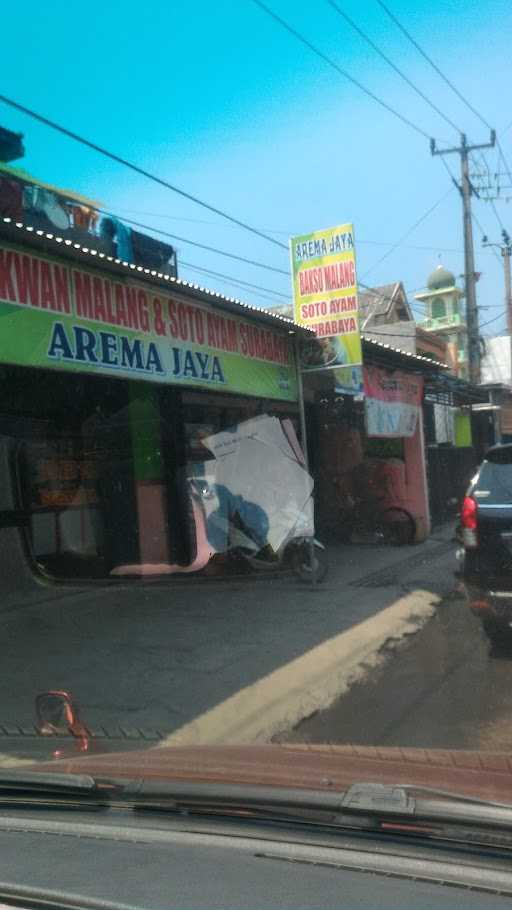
x: 415, y: 358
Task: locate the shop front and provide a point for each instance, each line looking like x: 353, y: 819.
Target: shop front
x: 370, y: 450
x: 112, y: 380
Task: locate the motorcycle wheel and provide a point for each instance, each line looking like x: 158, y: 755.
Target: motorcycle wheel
x: 300, y: 563
x: 397, y: 527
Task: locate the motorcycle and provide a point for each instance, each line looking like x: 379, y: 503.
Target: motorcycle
x: 245, y: 539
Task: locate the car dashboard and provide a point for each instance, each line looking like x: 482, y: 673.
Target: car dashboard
x: 120, y: 857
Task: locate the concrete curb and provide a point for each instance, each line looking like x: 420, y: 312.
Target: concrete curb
x: 310, y: 683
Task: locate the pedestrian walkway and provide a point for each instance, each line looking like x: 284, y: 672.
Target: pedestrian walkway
x: 158, y: 658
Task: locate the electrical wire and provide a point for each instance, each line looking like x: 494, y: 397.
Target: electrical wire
x: 138, y: 170
x: 389, y: 335
x: 494, y: 319
x: 230, y: 279
x: 390, y: 63
x: 386, y: 243
x: 370, y: 290
x: 504, y: 160
x: 450, y: 173
x: 371, y: 331
x: 137, y: 212
x: 432, y: 64
x: 419, y: 305
x: 495, y: 210
x: 412, y: 246
x: 342, y: 72
x: 201, y: 246
x: 288, y: 234
x: 409, y: 232
x: 485, y: 234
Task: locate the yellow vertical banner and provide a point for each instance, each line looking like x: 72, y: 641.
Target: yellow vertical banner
x: 325, y: 297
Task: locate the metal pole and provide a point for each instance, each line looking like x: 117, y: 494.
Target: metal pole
x: 300, y: 401
x: 505, y: 252
x: 304, y: 441
x: 469, y: 270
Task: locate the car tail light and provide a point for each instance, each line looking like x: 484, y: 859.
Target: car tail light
x: 469, y: 522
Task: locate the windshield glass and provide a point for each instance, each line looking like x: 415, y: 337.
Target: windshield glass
x: 253, y: 350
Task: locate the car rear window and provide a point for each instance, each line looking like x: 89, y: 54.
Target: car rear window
x: 494, y: 482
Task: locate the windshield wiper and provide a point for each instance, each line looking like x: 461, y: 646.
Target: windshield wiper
x: 387, y: 808
x: 16, y: 785
x: 372, y: 807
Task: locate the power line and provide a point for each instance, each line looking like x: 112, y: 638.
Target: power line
x: 169, y: 217
x: 264, y: 298
x: 432, y: 64
x: 450, y: 173
x: 504, y: 160
x: 289, y: 28
x: 386, y: 243
x: 202, y: 246
x: 484, y: 234
x: 395, y: 337
x: 390, y: 63
x: 138, y: 170
x: 370, y: 331
x: 381, y: 296
x: 494, y: 319
x: 418, y: 305
x: 409, y: 232
x: 230, y: 279
x: 414, y: 246
x: 498, y: 219
x: 360, y: 242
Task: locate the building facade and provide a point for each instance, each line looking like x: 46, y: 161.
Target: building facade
x: 113, y: 375
x: 445, y: 316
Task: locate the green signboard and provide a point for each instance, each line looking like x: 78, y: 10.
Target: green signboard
x: 56, y: 315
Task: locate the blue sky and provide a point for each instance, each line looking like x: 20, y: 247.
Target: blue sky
x: 222, y: 102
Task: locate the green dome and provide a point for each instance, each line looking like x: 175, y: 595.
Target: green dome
x: 440, y: 278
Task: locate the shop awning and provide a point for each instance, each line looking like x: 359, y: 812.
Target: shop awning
x: 449, y: 390
x: 441, y: 387
x: 375, y: 352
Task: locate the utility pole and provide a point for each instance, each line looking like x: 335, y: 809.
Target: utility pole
x: 506, y: 252
x: 466, y: 190
x: 505, y: 249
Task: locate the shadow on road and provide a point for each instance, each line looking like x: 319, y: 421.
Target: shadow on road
x: 444, y: 688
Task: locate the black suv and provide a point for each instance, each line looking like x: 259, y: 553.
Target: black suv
x: 486, y: 535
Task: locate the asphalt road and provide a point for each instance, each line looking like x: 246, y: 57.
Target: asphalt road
x: 444, y: 687
x: 213, y: 662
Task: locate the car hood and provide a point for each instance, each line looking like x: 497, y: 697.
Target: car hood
x: 487, y: 775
